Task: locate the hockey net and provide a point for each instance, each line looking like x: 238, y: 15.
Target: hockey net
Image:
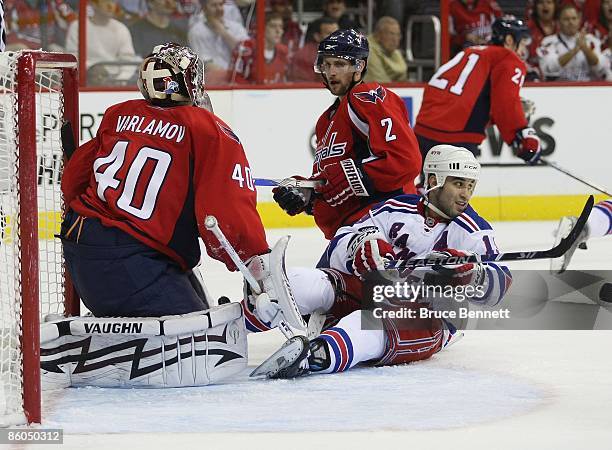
x: 38, y: 92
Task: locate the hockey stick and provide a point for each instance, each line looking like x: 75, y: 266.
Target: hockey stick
x: 212, y: 225
x: 556, y: 166
x: 67, y: 136
x: 272, y: 182
x: 554, y: 252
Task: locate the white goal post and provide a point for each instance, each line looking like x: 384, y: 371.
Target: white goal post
x: 38, y: 93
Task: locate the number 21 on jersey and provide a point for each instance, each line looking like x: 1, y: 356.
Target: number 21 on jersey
x: 438, y: 81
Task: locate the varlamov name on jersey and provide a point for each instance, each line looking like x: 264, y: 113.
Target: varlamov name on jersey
x: 114, y: 327
x: 167, y: 130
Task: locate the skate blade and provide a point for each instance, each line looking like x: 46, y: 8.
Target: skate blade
x: 280, y: 359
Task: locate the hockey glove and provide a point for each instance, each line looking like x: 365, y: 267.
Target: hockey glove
x: 343, y: 180
x: 292, y: 199
x: 527, y: 145
x: 456, y: 274
x: 369, y: 252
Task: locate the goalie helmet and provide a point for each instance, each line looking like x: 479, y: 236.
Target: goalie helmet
x: 508, y: 25
x: 449, y: 161
x: 346, y: 44
x: 172, y: 75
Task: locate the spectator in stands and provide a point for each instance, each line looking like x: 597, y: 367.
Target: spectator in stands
x: 35, y: 25
x: 302, y: 65
x: 386, y: 63
x: 603, y: 30
x: 213, y: 38
x: 108, y: 41
x: 471, y: 22
x: 602, y: 26
x: 292, y: 35
x: 276, y: 55
x: 399, y: 9
x: 334, y: 9
x: 543, y: 22
x: 232, y: 10
x: 157, y: 27
x: 572, y: 54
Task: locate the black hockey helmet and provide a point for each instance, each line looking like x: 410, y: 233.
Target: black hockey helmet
x: 508, y: 25
x: 172, y: 75
x: 346, y: 44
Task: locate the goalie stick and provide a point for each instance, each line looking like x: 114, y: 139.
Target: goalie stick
x: 554, y: 252
x: 68, y: 141
x: 212, y: 225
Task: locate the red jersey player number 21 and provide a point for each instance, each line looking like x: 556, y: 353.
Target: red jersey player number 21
x: 480, y: 85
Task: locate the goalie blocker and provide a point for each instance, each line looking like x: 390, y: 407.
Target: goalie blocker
x: 195, y: 349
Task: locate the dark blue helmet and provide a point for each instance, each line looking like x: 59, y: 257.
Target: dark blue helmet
x: 508, y: 25
x: 347, y: 44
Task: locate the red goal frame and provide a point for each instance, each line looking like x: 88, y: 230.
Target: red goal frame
x: 27, y: 64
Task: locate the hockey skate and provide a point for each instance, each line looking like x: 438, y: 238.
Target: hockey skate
x: 297, y: 357
x: 559, y: 265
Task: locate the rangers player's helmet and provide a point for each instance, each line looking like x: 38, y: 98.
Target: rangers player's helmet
x: 172, y: 75
x: 508, y: 25
x: 346, y: 44
x: 450, y: 161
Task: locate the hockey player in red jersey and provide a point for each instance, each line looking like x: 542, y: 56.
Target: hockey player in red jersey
x: 366, y: 151
x: 480, y: 85
x: 138, y: 193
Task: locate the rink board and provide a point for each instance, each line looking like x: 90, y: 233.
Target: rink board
x: 276, y: 128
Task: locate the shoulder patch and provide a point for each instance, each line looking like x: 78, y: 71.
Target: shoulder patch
x: 228, y: 132
x: 372, y: 96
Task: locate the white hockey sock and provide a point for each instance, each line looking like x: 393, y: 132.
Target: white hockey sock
x: 350, y: 345
x: 600, y: 220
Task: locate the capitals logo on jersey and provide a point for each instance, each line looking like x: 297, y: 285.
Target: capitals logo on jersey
x: 373, y: 95
x: 329, y: 149
x: 171, y: 86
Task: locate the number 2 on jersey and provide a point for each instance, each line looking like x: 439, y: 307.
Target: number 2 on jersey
x: 106, y: 178
x: 439, y: 82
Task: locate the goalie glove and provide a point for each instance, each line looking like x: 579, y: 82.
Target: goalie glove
x: 527, y: 145
x: 292, y: 199
x: 456, y: 274
x: 343, y: 180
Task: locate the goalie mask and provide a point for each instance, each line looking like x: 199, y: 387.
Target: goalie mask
x: 172, y: 75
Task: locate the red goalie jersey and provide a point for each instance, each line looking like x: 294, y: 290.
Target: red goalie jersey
x: 156, y: 173
x: 480, y: 84
x: 369, y: 125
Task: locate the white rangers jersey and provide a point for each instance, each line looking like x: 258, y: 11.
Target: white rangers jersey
x: 577, y: 69
x: 401, y: 222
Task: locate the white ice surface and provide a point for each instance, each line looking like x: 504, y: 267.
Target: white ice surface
x: 493, y: 389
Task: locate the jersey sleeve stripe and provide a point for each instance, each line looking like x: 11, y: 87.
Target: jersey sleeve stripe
x: 359, y: 124
x: 464, y: 225
x: 392, y: 209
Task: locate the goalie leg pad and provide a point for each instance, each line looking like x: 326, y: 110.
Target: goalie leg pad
x: 269, y: 271
x: 172, y: 351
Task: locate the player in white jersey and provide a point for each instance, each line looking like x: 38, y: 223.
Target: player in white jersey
x: 599, y: 224
x: 441, y: 223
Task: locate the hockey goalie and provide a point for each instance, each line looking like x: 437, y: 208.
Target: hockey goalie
x: 137, y: 196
